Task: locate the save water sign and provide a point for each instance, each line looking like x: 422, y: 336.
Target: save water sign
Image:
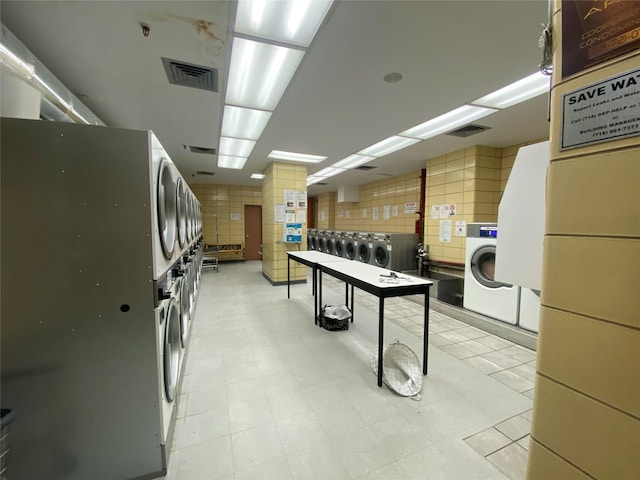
x: 607, y: 110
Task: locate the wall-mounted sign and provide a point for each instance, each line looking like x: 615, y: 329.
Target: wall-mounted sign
x: 292, y: 232
x: 278, y: 213
x: 597, y: 31
x: 302, y: 199
x: 601, y: 112
x: 410, y: 207
x: 235, y: 216
x: 445, y: 231
x: 290, y: 198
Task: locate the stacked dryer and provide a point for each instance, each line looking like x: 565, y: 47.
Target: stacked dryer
x: 123, y: 240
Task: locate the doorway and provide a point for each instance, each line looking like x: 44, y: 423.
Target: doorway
x: 252, y: 231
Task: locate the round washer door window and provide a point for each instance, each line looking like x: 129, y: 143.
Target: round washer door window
x: 167, y: 224
x: 172, y: 346
x: 381, y: 256
x: 184, y: 311
x: 351, y: 251
x: 364, y: 253
x: 483, y: 267
x: 181, y: 196
x: 339, y: 250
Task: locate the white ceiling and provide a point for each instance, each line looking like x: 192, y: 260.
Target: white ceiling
x: 449, y: 52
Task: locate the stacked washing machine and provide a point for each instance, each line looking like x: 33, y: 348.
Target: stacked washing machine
x: 96, y: 316
x: 395, y: 251
x: 311, y: 240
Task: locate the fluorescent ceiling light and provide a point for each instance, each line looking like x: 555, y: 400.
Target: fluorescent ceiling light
x: 237, y: 163
x: 353, y: 161
x: 447, y: 122
x: 25, y: 69
x: 288, y: 21
x: 236, y: 147
x: 311, y: 179
x: 244, y: 122
x: 329, y: 172
x: 517, y: 92
x: 260, y: 73
x: 388, y: 145
x: 258, y: 176
x: 295, y: 157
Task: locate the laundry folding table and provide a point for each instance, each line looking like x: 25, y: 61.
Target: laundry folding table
x: 383, y: 284
x: 312, y: 259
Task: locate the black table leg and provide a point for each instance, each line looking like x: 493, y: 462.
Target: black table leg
x: 318, y: 302
x: 380, y: 338
x: 352, y: 303
x: 288, y: 276
x: 425, y: 344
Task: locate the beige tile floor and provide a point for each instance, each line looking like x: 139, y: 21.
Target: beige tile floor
x: 267, y: 394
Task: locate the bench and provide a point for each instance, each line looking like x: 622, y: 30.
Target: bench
x: 223, y: 252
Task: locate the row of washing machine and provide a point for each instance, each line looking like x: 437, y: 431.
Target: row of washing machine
x: 483, y: 294
x: 395, y: 251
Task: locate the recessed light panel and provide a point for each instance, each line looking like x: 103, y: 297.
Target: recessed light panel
x: 387, y: 146
x: 246, y: 123
x: 258, y: 176
x: 447, y: 122
x: 236, y: 147
x: 517, y: 92
x: 259, y: 73
x: 353, y: 161
x: 236, y: 163
x: 288, y: 21
x: 295, y: 157
x: 329, y: 172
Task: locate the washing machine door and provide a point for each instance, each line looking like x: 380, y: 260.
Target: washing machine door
x: 381, y: 255
x: 172, y: 346
x: 364, y: 252
x: 167, y: 224
x: 350, y: 250
x: 322, y: 244
x: 339, y: 248
x: 483, y: 266
x: 185, y: 317
x: 181, y: 201
x: 330, y: 246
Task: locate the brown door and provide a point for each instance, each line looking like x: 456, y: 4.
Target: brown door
x: 252, y: 231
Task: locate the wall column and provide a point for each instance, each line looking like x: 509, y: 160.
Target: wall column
x: 278, y: 178
x: 586, y: 418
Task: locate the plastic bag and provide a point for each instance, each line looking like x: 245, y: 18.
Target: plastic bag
x: 335, y: 317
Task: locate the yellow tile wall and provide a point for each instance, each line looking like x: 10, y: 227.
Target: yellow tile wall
x: 218, y: 202
x: 326, y: 211
x: 586, y: 408
x: 392, y: 193
x: 278, y: 178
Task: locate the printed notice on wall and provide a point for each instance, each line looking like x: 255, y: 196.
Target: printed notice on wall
x: 435, y: 212
x: 375, y: 213
x: 278, y: 213
x: 444, y: 210
x: 340, y: 213
x: 321, y: 215
x: 601, y: 112
x: 394, y: 210
x: 410, y: 207
x: 235, y: 216
x: 290, y: 216
x: 290, y: 198
x: 445, y: 230
x: 302, y: 199
x: 364, y: 213
x: 461, y: 228
x: 346, y: 213
x: 386, y: 212
x: 301, y: 216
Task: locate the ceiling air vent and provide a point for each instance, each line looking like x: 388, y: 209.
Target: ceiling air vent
x: 365, y: 167
x: 205, y: 150
x: 200, y: 172
x: 190, y: 75
x: 321, y: 183
x: 468, y: 130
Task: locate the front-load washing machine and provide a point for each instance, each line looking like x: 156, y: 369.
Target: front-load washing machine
x: 164, y: 213
x: 311, y: 244
x: 365, y: 245
x: 322, y: 242
x: 529, y: 316
x: 169, y: 348
x: 338, y: 244
x: 329, y: 242
x: 395, y: 251
x: 350, y: 245
x: 181, y: 211
x: 482, y: 294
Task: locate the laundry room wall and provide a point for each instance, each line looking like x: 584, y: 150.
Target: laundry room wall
x: 326, y: 211
x: 219, y: 202
x: 389, y: 195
